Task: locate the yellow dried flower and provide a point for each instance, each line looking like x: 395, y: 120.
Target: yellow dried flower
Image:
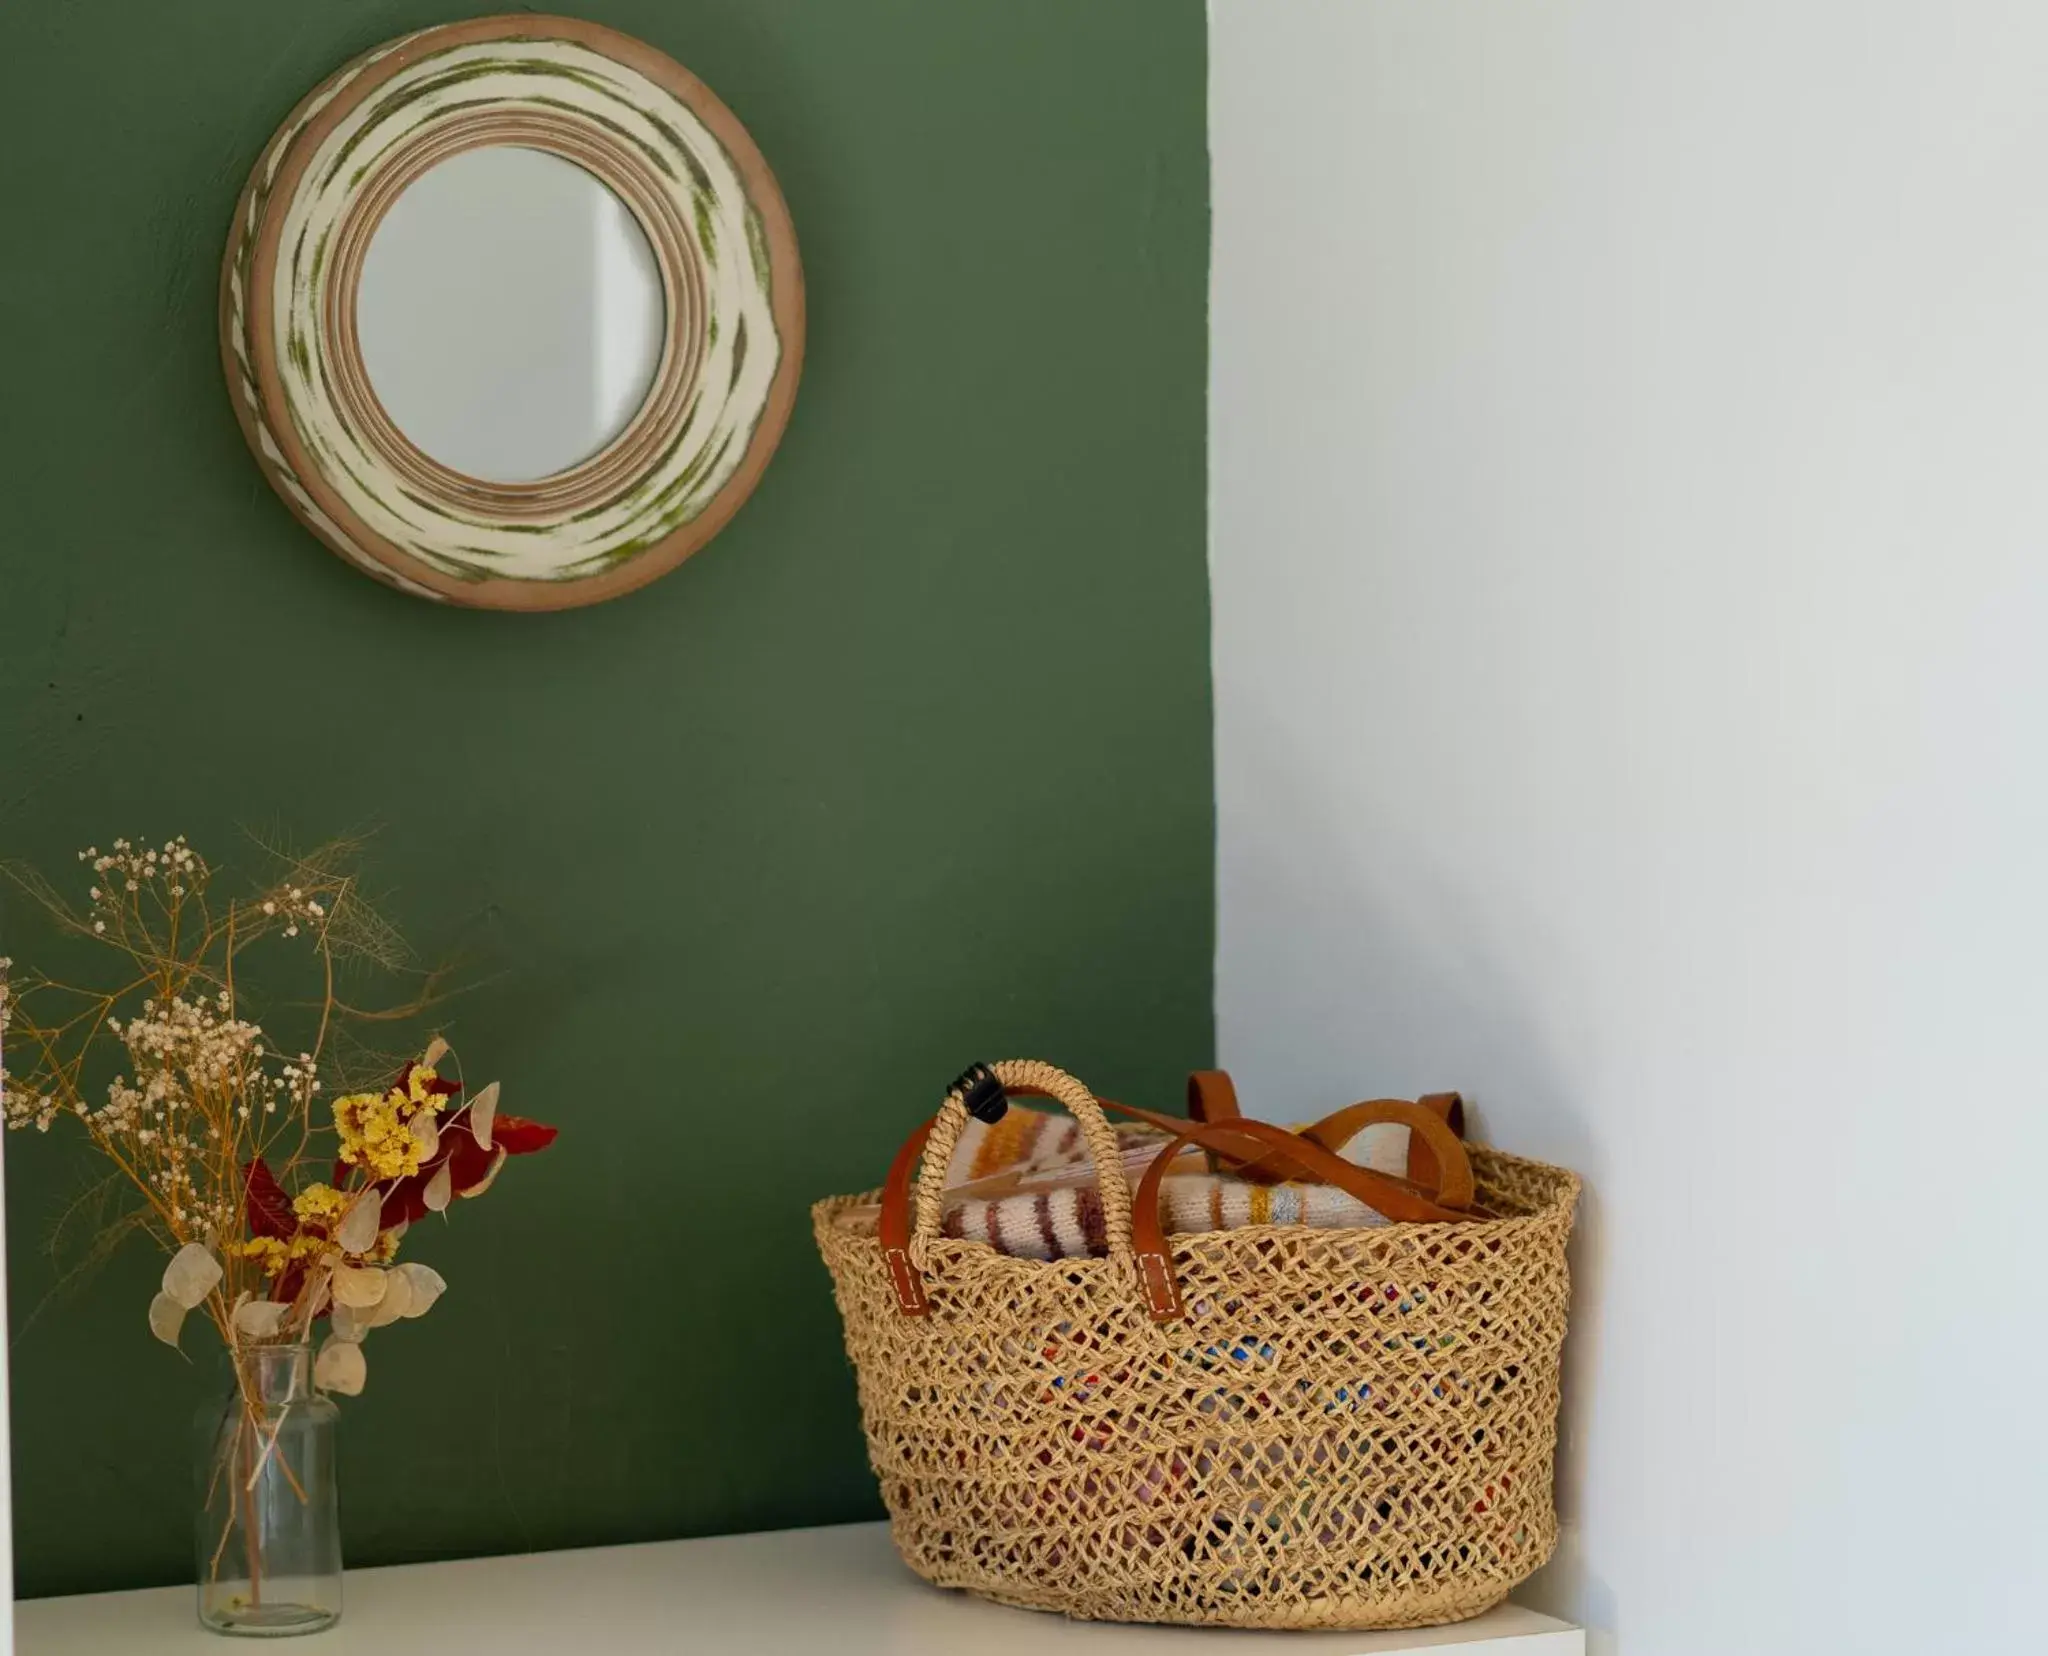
x: 268, y: 1252
x: 376, y: 1128
x: 319, y: 1204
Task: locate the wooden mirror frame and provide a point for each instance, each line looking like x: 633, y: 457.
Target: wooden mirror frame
x: 679, y: 160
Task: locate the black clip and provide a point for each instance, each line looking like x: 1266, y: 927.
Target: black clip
x: 982, y: 1093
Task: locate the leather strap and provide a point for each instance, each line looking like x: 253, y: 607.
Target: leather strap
x: 1245, y: 1142
x: 1448, y: 1107
x: 1392, y: 1197
x: 1212, y: 1098
x: 1240, y: 1148
x: 1442, y: 1162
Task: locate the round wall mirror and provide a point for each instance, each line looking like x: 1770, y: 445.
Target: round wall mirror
x: 511, y: 313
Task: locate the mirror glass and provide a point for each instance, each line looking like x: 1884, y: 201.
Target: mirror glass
x: 510, y: 314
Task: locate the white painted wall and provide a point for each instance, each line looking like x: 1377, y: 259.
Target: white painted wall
x: 1630, y: 541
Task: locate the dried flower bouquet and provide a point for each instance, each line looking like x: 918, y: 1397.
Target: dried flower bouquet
x: 278, y: 1215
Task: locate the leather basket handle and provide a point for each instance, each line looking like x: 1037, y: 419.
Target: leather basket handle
x: 1393, y: 1197
x: 1442, y: 1163
x: 1212, y: 1098
x: 1244, y: 1142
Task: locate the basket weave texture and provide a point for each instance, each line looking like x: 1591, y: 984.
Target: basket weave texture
x: 1348, y: 1428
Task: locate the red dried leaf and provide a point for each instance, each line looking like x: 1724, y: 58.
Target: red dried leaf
x: 519, y: 1137
x: 468, y: 1160
x: 405, y: 1203
x: 405, y: 1200
x: 266, y: 1209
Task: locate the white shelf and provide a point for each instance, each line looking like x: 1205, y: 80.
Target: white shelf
x: 840, y: 1591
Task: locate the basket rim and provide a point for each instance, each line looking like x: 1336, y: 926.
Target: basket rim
x: 832, y: 1211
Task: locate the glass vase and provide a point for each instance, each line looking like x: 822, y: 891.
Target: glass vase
x: 269, y: 1522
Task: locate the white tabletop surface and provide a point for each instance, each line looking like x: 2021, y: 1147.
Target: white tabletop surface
x: 841, y: 1591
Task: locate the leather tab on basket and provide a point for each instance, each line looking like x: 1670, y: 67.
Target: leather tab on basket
x: 982, y: 1093
x: 909, y: 1286
x: 894, y: 1226
x: 1162, y: 1288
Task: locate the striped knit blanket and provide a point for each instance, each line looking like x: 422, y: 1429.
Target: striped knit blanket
x: 1058, y: 1215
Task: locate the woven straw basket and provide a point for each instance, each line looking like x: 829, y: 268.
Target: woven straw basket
x: 1338, y: 1429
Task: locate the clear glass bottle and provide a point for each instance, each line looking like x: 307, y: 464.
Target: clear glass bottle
x: 269, y: 1522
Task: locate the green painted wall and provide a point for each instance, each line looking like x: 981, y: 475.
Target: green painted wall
x: 911, y: 766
